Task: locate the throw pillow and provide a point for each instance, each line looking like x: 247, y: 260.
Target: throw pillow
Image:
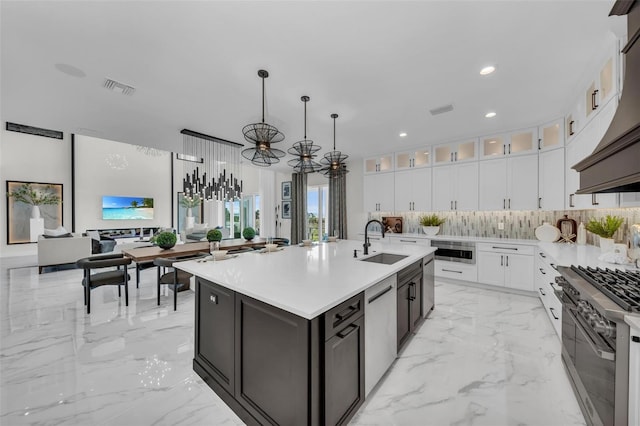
x: 199, y: 227
x: 95, y: 235
x: 55, y: 232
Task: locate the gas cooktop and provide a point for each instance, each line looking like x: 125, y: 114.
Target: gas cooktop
x: 623, y: 287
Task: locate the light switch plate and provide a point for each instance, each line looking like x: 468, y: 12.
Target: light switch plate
x: 501, y: 226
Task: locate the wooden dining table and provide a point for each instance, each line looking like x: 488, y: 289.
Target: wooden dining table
x: 146, y: 254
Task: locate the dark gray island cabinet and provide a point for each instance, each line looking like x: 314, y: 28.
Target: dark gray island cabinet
x: 274, y: 367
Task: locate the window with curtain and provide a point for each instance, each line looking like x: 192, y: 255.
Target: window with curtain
x: 317, y: 211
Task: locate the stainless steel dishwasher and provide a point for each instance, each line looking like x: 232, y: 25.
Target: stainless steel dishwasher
x: 380, y: 332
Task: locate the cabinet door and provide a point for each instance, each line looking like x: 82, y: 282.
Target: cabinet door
x: 344, y: 374
x: 370, y: 193
x: 491, y: 268
x: 551, y: 135
x: 551, y: 175
x: 493, y: 146
x: 421, y: 189
x: 519, y: 272
x: 466, y: 186
x: 492, y: 179
x: 523, y: 142
x: 442, y: 188
x: 385, y: 187
x: 404, y: 315
x: 443, y: 154
x: 404, y: 187
x: 522, y: 183
x: 371, y: 165
x: 214, y: 347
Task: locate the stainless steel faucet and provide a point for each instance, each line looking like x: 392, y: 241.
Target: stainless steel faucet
x: 366, y: 237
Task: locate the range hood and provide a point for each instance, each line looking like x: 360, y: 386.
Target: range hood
x: 614, y: 166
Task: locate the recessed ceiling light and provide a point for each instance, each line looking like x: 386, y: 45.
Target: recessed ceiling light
x: 490, y: 114
x: 487, y: 70
x: 403, y: 134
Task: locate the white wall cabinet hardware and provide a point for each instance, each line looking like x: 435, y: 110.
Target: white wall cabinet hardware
x: 381, y: 163
x: 509, y: 183
x: 551, y: 135
x: 455, y: 152
x: 455, y: 187
x: 456, y: 270
x: 545, y: 275
x: 582, y: 146
x: 510, y: 144
x: 551, y: 176
x: 413, y: 190
x: 505, y: 265
x: 378, y: 192
x: 413, y: 159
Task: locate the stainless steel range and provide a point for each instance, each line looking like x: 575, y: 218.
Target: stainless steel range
x: 595, y: 338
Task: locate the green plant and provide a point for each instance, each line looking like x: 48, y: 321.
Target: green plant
x: 431, y: 220
x: 188, y: 202
x: 605, y: 227
x: 166, y: 239
x: 26, y: 194
x: 248, y: 233
x: 214, y: 235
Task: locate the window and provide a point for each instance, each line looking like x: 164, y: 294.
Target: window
x: 232, y: 218
x: 317, y: 211
x: 251, y: 212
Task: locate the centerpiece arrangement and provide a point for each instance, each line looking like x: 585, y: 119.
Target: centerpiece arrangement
x: 248, y: 233
x: 431, y: 224
x: 165, y: 240
x: 28, y: 195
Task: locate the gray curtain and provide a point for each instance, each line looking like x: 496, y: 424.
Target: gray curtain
x: 298, y: 207
x: 338, y: 206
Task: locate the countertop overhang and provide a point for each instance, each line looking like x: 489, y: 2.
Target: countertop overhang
x: 306, y: 281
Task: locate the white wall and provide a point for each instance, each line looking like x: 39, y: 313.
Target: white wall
x: 32, y: 158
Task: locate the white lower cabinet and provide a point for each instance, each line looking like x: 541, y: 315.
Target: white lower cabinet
x: 634, y: 377
x: 380, y: 330
x: 456, y: 270
x: 505, y: 265
x: 545, y: 275
x: 408, y: 240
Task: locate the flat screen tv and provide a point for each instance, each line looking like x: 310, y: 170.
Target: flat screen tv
x: 127, y: 208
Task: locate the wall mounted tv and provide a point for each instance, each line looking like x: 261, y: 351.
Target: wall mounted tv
x: 127, y: 208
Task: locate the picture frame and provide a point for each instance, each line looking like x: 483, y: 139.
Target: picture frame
x: 286, y: 190
x: 19, y: 213
x: 286, y: 209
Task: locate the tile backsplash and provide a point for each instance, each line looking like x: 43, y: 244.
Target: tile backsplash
x: 517, y: 224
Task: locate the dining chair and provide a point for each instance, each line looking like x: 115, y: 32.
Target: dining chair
x: 93, y: 279
x: 175, y: 277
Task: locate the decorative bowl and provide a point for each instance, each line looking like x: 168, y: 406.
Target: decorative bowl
x: 219, y: 254
x: 306, y: 242
x: 431, y: 230
x: 271, y: 247
x: 332, y: 239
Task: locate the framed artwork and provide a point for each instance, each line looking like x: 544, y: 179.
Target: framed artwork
x: 286, y: 190
x: 19, y: 213
x: 182, y: 212
x: 286, y: 209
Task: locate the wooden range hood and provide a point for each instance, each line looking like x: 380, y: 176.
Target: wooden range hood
x: 614, y: 166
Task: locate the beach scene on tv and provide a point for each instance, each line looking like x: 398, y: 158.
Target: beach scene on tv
x: 127, y: 208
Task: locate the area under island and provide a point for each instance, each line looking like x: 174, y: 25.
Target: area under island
x: 299, y: 336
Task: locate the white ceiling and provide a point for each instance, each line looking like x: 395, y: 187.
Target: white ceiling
x: 381, y: 65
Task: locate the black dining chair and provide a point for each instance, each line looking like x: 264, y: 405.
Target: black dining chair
x: 92, y: 279
x: 174, y: 277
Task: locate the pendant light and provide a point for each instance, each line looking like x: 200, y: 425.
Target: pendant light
x: 262, y: 135
x: 333, y: 162
x: 304, y: 150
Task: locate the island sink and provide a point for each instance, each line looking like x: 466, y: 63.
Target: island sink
x: 385, y: 258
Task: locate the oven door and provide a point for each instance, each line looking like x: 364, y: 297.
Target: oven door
x: 594, y: 361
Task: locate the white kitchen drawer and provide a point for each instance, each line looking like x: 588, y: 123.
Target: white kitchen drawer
x: 456, y: 270
x: 408, y: 240
x: 505, y: 248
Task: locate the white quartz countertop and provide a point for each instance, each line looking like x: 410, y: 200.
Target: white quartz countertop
x: 573, y: 254
x: 306, y: 281
x: 456, y: 238
x: 633, y: 321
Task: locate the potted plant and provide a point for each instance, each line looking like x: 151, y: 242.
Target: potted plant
x: 214, y: 235
x: 248, y: 233
x: 431, y: 224
x: 605, y: 228
x: 26, y: 194
x: 165, y: 240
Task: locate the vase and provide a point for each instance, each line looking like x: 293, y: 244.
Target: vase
x: 606, y: 244
x: 35, y: 212
x: 189, y: 212
x: 189, y: 222
x: 431, y: 230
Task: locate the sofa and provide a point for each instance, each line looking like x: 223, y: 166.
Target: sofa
x: 62, y: 250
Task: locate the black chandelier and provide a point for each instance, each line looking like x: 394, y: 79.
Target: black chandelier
x: 305, y: 150
x: 333, y: 163
x: 262, y: 135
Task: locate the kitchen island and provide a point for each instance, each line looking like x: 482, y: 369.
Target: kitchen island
x: 280, y: 336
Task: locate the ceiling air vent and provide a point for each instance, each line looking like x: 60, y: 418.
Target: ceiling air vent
x: 116, y: 86
x: 441, y: 110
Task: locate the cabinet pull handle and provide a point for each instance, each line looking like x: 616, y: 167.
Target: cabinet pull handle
x: 455, y: 156
x: 594, y: 200
x: 504, y: 248
x: 540, y: 202
x: 412, y: 291
x: 571, y: 127
x: 504, y: 203
x: 542, y: 271
x: 347, y: 312
x: 509, y: 203
x: 452, y: 157
x: 504, y: 150
x: 542, y: 255
x: 553, y: 313
x: 379, y: 295
x: 351, y: 328
x: 501, y: 260
x: 455, y: 203
x: 509, y: 148
x: 594, y: 104
x: 553, y: 265
x: 539, y: 141
x: 507, y: 261
x: 542, y: 292
x: 451, y: 270
x: 408, y: 241
x: 571, y: 200
x: 451, y: 205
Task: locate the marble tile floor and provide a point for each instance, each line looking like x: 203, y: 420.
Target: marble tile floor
x: 482, y: 358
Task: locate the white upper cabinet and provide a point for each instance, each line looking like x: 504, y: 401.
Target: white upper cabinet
x: 509, y: 183
x: 551, y: 175
x: 381, y: 163
x: 413, y: 159
x: 551, y: 135
x: 455, y: 187
x: 455, y: 152
x: 601, y: 88
x: 413, y: 190
x: 509, y: 144
x: 378, y: 192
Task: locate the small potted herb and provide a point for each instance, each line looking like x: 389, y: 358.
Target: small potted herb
x: 214, y: 235
x: 165, y: 240
x: 431, y: 224
x: 605, y: 228
x: 248, y: 233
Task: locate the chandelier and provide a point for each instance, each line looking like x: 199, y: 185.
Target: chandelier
x: 305, y: 150
x: 262, y: 135
x: 333, y: 162
x: 211, y: 166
